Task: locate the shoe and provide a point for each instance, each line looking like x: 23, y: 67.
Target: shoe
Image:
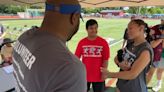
x: 156, y: 88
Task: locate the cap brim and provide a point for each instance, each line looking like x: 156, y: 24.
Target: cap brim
x: 8, y: 42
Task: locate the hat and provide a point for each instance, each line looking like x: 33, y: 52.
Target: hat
x: 7, y: 40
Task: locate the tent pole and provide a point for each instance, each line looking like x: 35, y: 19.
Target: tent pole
x: 139, y: 9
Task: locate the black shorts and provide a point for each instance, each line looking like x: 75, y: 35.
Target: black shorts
x: 97, y: 86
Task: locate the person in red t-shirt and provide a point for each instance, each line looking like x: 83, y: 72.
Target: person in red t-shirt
x: 95, y: 53
x: 157, y: 46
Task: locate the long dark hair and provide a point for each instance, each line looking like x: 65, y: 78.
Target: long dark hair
x: 146, y: 28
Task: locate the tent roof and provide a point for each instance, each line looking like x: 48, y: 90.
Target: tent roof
x: 93, y: 3
x: 106, y: 11
x: 120, y: 3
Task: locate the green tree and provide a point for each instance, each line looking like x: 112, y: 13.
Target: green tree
x: 11, y: 9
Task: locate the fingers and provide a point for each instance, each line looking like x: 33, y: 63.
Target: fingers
x: 104, y: 72
x: 102, y: 69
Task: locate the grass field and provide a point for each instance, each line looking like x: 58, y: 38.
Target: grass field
x: 113, y: 28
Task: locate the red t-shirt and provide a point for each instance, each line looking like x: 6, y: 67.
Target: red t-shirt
x: 157, y: 50
x: 93, y: 54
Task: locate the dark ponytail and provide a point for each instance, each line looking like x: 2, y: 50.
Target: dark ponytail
x: 146, y: 30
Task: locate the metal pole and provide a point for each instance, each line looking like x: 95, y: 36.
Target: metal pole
x: 139, y: 10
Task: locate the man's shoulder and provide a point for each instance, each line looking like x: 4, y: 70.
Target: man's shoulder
x: 83, y: 40
x: 156, y: 27
x: 36, y: 37
x: 101, y: 39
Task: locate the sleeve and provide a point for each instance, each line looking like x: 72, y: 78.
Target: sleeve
x: 106, y: 51
x: 70, y: 77
x: 78, y: 51
x: 151, y: 55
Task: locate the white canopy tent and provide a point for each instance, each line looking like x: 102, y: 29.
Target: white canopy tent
x: 84, y: 3
x: 92, y: 3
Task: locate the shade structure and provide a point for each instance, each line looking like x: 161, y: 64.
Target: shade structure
x: 120, y: 3
x: 92, y: 3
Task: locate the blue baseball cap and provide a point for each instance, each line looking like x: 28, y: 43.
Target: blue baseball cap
x: 64, y: 8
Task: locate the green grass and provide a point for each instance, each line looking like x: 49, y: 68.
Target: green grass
x: 113, y: 28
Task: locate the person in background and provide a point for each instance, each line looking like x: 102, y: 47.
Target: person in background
x: 160, y: 71
x: 125, y: 41
x: 134, y: 62
x: 2, y: 31
x: 157, y: 45
x: 95, y: 53
x: 160, y: 64
x: 6, y: 52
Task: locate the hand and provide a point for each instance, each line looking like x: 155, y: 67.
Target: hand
x: 152, y: 32
x: 105, y: 73
x: 125, y: 65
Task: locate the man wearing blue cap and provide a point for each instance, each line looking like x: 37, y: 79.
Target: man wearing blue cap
x: 41, y: 60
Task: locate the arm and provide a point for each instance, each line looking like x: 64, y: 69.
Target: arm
x: 155, y: 43
x: 105, y: 64
x: 106, y: 55
x: 163, y: 43
x: 135, y: 70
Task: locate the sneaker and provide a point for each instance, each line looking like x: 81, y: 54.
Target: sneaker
x: 156, y: 88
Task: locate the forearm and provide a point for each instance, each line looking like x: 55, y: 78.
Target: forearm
x: 156, y: 43
x: 105, y: 64
x: 163, y: 44
x: 125, y: 75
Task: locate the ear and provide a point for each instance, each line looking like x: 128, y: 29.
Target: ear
x: 74, y: 18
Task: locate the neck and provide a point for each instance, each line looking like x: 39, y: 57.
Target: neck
x: 92, y: 38
x: 55, y: 31
x: 139, y: 40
